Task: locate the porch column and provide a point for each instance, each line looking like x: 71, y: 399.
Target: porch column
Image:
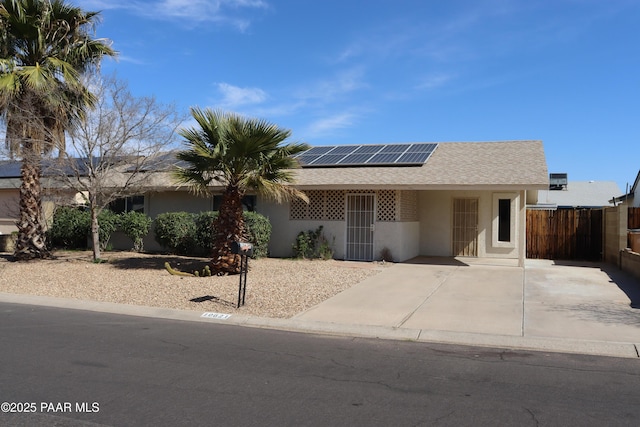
x: 522, y: 224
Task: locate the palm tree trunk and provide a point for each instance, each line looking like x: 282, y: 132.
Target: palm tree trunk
x: 31, y: 241
x: 229, y: 227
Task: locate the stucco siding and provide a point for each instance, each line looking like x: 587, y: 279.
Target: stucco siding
x: 284, y: 230
x: 175, y: 201
x: 401, y: 238
x: 436, y: 222
x: 434, y: 213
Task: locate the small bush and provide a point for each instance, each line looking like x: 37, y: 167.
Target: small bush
x: 258, y: 232
x: 108, y: 224
x: 204, y: 232
x: 135, y: 225
x: 192, y: 234
x: 176, y: 231
x: 70, y: 228
x: 312, y: 244
x: 385, y: 255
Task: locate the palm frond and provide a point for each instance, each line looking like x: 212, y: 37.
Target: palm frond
x: 247, y: 154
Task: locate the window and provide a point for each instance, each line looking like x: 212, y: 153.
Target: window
x: 504, y: 227
x: 504, y: 220
x: 128, y: 204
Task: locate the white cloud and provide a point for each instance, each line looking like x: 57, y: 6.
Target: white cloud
x: 186, y: 11
x: 327, y: 90
x: 328, y: 125
x: 435, y: 81
x: 129, y: 59
x: 234, y: 96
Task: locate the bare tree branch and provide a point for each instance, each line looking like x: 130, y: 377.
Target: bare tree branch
x: 112, y: 152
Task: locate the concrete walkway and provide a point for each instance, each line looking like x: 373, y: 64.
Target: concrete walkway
x: 588, y: 308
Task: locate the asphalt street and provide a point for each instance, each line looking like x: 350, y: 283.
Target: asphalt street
x: 76, y: 368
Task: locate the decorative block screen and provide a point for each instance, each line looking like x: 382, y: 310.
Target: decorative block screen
x: 298, y: 209
x: 323, y: 206
x: 329, y: 205
x: 386, y: 206
x: 334, y: 205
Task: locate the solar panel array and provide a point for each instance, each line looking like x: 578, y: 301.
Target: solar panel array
x: 367, y: 155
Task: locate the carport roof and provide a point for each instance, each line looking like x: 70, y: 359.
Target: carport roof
x: 453, y: 165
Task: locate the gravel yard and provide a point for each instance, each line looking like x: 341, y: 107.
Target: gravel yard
x: 279, y: 288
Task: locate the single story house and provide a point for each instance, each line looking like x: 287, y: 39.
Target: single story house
x: 565, y: 194
x: 632, y: 198
x: 432, y: 199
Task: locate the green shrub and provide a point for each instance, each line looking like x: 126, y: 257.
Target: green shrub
x: 70, y: 228
x: 258, y: 229
x: 312, y: 244
x: 108, y: 224
x: 192, y: 234
x: 204, y: 232
x: 176, y: 231
x: 135, y: 225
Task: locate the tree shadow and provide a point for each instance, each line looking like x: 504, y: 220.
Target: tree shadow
x: 156, y: 262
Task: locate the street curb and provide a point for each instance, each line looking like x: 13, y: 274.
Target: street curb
x: 544, y: 344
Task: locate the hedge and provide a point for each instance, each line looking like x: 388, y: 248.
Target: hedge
x: 185, y: 233
x: 71, y: 227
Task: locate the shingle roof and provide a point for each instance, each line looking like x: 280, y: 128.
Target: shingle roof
x: 507, y: 164
x: 453, y: 165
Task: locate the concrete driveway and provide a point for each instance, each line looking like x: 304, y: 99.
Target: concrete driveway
x: 461, y: 296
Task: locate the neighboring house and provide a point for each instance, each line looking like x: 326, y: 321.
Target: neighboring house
x: 563, y: 193
x: 9, y: 196
x: 444, y: 199
x: 632, y: 198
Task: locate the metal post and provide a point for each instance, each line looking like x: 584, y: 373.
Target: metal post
x: 242, y: 288
x: 244, y: 250
x: 246, y: 268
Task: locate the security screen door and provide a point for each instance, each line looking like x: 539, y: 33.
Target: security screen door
x: 465, y: 227
x: 360, y: 226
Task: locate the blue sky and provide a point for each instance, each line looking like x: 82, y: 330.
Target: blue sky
x: 566, y: 72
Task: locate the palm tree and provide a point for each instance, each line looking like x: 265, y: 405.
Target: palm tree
x: 46, y: 46
x: 242, y: 155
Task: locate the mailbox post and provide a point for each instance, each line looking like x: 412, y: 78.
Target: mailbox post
x: 245, y: 250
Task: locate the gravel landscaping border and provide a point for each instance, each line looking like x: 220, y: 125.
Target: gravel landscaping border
x: 278, y: 288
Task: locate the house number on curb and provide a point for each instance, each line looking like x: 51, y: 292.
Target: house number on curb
x: 219, y: 316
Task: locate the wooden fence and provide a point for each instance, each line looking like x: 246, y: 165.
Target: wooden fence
x: 569, y: 234
x: 634, y: 218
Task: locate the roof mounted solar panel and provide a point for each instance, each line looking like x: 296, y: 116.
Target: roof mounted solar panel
x: 368, y: 149
x: 395, y: 148
x: 367, y: 155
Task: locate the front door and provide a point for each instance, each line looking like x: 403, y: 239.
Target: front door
x: 360, y: 226
x: 465, y: 227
